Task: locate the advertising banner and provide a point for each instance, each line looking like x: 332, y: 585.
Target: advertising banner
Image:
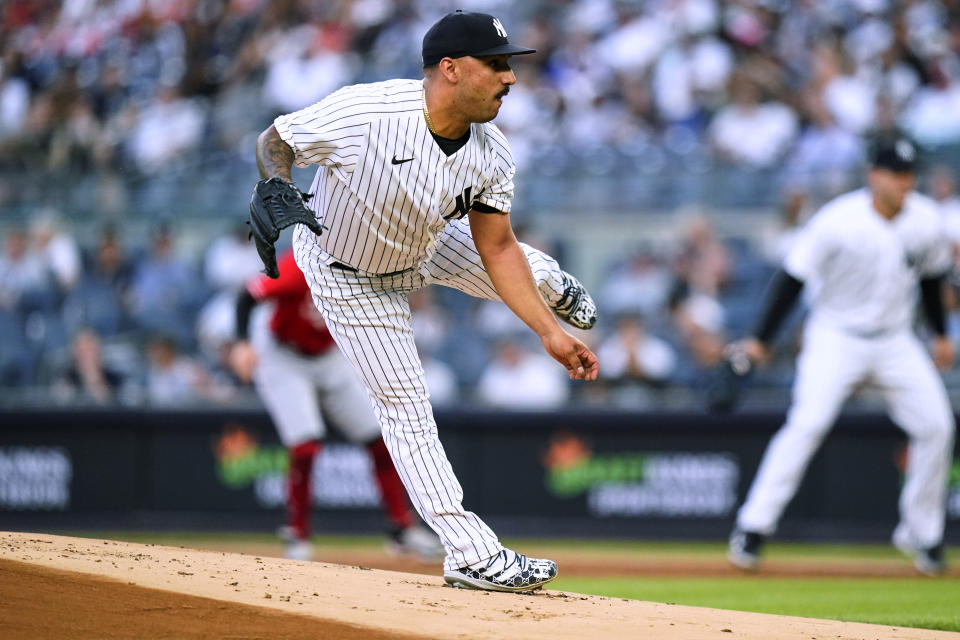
x: 590, y: 473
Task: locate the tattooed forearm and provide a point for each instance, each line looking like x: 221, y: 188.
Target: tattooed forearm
x: 274, y: 156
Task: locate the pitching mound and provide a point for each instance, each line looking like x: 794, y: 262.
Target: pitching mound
x: 59, y: 587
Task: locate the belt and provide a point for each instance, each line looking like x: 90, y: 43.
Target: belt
x: 346, y: 267
x: 872, y: 334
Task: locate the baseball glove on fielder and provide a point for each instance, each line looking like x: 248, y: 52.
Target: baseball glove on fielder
x: 275, y: 205
x: 726, y: 384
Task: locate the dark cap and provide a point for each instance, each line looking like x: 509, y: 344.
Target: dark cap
x: 896, y: 153
x: 463, y: 33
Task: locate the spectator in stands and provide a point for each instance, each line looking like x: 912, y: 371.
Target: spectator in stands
x: 21, y: 273
x: 701, y: 268
x: 87, y: 379
x: 44, y: 269
x: 14, y: 94
x: 932, y: 115
x: 639, y: 283
x: 943, y: 189
x: 304, y: 66
x: 690, y: 77
x: 174, y: 378
x: 441, y: 379
x: 231, y: 260
x: 849, y: 97
x: 827, y: 157
x: 635, y: 42
x: 529, y: 118
x: 520, y: 378
x: 900, y: 74
x: 55, y: 249
x: 163, y: 289
x: 101, y: 300
x: 702, y: 260
x: 752, y: 132
x: 699, y: 319
x: 636, y: 361
x: 77, y: 139
x: 16, y: 364
x: 166, y: 131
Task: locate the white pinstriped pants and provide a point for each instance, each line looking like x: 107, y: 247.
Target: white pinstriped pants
x: 369, y: 317
x: 830, y: 366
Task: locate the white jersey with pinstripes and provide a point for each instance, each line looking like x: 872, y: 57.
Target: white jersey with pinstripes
x: 385, y: 189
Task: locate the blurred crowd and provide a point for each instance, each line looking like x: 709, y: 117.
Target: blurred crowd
x: 777, y: 96
x: 134, y: 323
x: 150, y: 85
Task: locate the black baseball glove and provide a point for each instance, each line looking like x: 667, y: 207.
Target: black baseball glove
x: 728, y: 380
x: 275, y: 205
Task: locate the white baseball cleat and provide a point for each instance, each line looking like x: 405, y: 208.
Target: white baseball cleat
x: 295, y: 547
x: 299, y: 549
x: 507, y: 571
x: 575, y: 306
x: 416, y: 541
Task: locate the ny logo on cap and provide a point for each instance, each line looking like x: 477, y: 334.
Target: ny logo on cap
x: 905, y: 150
x: 499, y: 27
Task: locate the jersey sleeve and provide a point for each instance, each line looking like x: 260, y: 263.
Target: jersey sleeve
x: 809, y: 251
x: 291, y: 282
x: 498, y: 193
x: 327, y: 132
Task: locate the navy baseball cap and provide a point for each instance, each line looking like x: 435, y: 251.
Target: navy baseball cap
x: 896, y: 153
x: 464, y: 33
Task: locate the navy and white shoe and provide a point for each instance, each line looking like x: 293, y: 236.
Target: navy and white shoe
x: 506, y: 571
x: 575, y: 306
x: 929, y: 561
x: 744, y: 549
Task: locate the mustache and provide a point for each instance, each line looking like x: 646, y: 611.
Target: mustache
x: 504, y: 92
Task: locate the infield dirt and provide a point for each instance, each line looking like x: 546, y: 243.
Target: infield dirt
x: 61, y: 587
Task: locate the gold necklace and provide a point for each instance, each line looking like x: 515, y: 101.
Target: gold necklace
x: 426, y: 115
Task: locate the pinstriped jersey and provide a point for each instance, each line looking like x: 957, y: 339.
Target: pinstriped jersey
x: 384, y: 189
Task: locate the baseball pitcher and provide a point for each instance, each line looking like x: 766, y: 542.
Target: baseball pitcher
x: 413, y: 187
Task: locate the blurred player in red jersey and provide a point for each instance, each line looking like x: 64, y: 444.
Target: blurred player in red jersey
x: 300, y: 374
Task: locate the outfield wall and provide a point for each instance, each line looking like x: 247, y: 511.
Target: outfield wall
x: 571, y: 474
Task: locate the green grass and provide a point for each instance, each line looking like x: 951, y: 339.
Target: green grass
x: 906, y: 602
x: 900, y: 602
x: 789, y: 551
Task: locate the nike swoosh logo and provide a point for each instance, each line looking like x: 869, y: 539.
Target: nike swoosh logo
x: 394, y: 160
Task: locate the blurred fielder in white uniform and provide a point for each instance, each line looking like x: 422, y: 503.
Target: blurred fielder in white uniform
x: 414, y: 186
x: 861, y: 258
